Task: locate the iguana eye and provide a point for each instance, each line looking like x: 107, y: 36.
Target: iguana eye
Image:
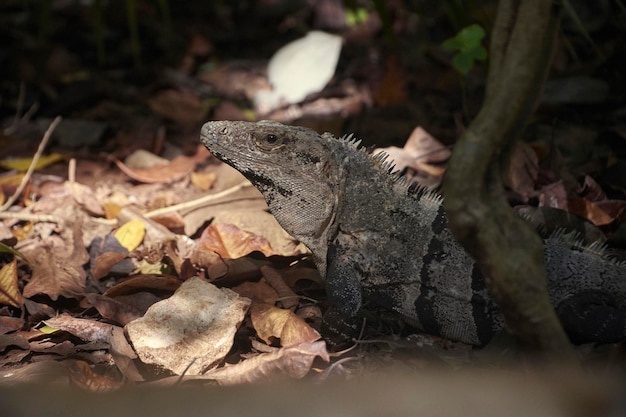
x: 268, y: 141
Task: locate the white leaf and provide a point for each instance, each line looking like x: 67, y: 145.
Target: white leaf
x: 304, y: 66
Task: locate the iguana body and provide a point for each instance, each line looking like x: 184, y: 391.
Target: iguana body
x: 376, y: 239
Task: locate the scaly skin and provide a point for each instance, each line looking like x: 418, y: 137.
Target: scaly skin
x: 375, y: 238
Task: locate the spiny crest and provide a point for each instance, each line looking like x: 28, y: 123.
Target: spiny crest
x: 386, y: 165
x: 352, y: 141
x: 575, y: 241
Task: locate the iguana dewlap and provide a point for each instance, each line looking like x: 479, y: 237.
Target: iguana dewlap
x: 376, y: 239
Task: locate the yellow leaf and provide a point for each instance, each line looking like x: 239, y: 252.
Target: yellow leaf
x: 22, y: 164
x: 9, y: 290
x: 131, y: 234
x: 47, y: 329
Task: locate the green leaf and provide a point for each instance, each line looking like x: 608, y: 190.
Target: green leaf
x: 463, y: 63
x: 468, y: 47
x: 471, y: 35
x: 8, y: 249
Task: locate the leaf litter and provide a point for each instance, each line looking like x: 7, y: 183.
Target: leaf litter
x: 109, y: 240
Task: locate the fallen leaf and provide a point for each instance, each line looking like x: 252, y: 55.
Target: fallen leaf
x: 10, y: 324
x: 191, y: 331
x: 176, y: 169
x: 304, y: 66
x: 273, y: 322
x: 85, y: 197
x: 7, y: 340
x: 56, y: 273
x: 288, y: 362
x: 229, y: 241
x: 83, y: 376
x: 9, y: 288
x: 88, y: 330
x: 113, y: 310
x: 140, y: 282
x: 131, y: 234
x: 257, y: 291
x: 108, y: 256
x: 203, y: 180
x: 262, y: 223
x: 22, y: 164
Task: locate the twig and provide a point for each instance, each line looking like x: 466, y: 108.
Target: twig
x: 33, y: 164
x: 197, y: 202
x: 186, y: 205
x: 29, y: 217
x: 71, y: 171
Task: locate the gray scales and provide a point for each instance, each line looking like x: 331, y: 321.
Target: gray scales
x: 376, y: 239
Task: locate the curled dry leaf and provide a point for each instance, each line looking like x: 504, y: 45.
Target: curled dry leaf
x: 176, y: 169
x: 203, y: 180
x: 82, y: 375
x: 85, y: 197
x: 10, y: 324
x: 422, y: 153
x: 113, y: 310
x: 9, y: 288
x: 56, y: 273
x: 143, y: 282
x: 229, y: 241
x: 257, y: 291
x: 191, y: 331
x: 88, y: 330
x: 271, y: 322
x: 288, y: 362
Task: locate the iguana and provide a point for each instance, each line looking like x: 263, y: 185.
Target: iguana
x: 376, y: 238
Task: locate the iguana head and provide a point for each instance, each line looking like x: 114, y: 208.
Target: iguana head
x: 296, y: 169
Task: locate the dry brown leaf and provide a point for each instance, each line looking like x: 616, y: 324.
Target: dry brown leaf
x: 83, y: 376
x: 113, y: 310
x: 261, y: 222
x: 593, y: 191
x: 85, y: 197
x: 288, y: 298
x: 143, y: 282
x: 10, y: 324
x: 422, y: 153
x: 7, y: 340
x: 554, y: 195
x: 203, y: 180
x: 103, y: 263
x: 87, y: 330
x: 56, y: 273
x: 174, y: 170
x: 124, y: 355
x: 9, y: 288
x: 271, y: 322
x: 229, y: 241
x: 257, y: 291
x: 288, y: 362
x: 587, y: 209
